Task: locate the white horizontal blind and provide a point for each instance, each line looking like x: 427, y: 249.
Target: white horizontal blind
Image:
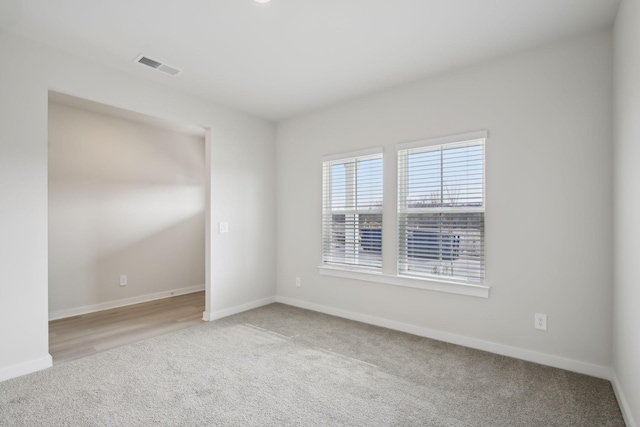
x: 441, y: 211
x: 352, y: 211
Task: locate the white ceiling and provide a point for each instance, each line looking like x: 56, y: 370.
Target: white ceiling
x: 287, y: 57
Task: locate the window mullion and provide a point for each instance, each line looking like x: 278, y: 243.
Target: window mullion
x: 441, y: 203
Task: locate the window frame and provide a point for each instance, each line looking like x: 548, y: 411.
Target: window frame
x: 433, y: 145
x: 327, y: 193
x: 389, y: 275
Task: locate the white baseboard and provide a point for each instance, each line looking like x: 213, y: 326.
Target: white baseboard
x: 622, y: 401
x: 61, y: 314
x: 505, y: 350
x: 215, y: 315
x: 26, y: 368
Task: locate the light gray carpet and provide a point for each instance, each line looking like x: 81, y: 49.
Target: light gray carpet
x: 283, y: 366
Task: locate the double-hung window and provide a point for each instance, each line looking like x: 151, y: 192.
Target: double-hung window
x: 352, y: 210
x: 441, y: 208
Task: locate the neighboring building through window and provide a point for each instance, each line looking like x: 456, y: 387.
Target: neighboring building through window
x: 352, y: 210
x: 441, y: 208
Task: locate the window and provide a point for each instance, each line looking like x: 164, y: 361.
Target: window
x: 352, y: 210
x: 441, y: 208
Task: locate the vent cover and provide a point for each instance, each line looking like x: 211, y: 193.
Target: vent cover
x: 157, y: 65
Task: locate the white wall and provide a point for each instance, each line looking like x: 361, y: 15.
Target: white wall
x: 548, y: 215
x: 124, y: 198
x: 626, y: 304
x: 241, y: 154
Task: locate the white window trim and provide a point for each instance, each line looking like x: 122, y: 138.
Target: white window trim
x: 451, y: 140
x: 425, y: 283
x: 441, y: 140
x: 359, y: 153
x: 340, y: 156
x: 430, y: 284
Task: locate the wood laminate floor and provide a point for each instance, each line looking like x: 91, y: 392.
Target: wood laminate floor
x: 79, y: 336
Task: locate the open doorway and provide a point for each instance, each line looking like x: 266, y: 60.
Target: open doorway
x: 127, y: 212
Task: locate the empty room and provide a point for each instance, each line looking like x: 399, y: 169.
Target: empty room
x: 126, y: 226
x: 392, y: 213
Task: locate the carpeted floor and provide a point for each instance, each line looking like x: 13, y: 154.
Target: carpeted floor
x: 283, y: 366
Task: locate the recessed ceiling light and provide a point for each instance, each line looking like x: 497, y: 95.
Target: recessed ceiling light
x: 262, y: 1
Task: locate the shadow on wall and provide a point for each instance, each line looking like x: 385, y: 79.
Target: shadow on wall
x: 154, y: 235
x: 125, y: 198
x: 179, y: 246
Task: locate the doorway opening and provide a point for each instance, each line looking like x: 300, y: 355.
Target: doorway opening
x: 127, y: 208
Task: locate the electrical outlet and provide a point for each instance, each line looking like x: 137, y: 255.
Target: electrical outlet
x: 123, y: 280
x: 540, y: 321
x: 298, y: 282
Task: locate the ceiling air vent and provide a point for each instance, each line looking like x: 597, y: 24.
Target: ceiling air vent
x: 157, y: 65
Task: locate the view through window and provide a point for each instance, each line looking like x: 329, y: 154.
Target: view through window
x: 441, y: 211
x: 352, y: 211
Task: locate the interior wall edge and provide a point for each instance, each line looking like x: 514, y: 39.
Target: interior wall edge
x: 210, y: 316
x: 622, y: 400
x: 25, y: 368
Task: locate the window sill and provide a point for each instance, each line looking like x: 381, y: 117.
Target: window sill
x: 481, y: 291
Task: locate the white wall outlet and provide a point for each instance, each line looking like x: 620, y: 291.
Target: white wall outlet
x: 223, y: 227
x: 123, y: 280
x: 297, y: 281
x: 540, y: 321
